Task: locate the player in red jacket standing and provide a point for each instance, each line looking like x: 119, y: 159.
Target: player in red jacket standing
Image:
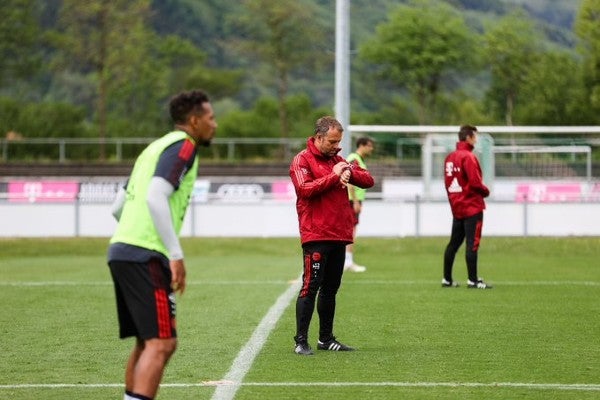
x: 326, y: 223
x: 466, y: 191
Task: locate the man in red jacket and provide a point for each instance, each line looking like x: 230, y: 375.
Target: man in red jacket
x: 466, y: 191
x: 326, y: 223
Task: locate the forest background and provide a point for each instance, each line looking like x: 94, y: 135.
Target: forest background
x: 106, y: 68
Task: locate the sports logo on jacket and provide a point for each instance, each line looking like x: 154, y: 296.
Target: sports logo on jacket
x: 454, y: 187
x: 451, y: 169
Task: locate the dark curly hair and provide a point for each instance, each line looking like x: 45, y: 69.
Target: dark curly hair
x: 185, y: 104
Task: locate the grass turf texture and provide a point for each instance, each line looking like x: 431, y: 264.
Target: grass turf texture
x: 536, y: 329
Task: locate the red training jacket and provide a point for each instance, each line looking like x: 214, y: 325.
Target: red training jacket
x: 324, y: 212
x: 464, y: 184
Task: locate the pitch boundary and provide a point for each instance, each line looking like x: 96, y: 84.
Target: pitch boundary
x: 227, y: 383
x: 283, y: 282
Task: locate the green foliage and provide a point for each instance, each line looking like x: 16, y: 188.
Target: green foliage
x: 588, y: 30
x: 512, y: 46
x: 9, y: 115
x: 421, y: 46
x: 262, y: 119
x: 42, y: 120
x: 551, y: 90
x: 419, y: 61
x: 19, y: 54
x: 272, y: 31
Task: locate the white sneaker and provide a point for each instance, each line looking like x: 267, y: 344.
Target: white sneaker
x: 355, y: 268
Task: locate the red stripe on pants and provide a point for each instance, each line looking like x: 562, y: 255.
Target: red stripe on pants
x: 477, y: 238
x: 162, y: 313
x: 306, y: 277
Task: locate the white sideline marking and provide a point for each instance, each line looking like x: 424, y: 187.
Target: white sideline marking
x: 110, y: 283
x: 282, y: 282
x: 231, y: 382
x: 236, y: 385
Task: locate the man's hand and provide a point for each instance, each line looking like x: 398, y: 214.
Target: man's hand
x: 345, y: 177
x: 340, y: 167
x: 177, y: 275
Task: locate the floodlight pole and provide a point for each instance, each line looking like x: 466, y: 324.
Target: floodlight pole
x: 342, y: 71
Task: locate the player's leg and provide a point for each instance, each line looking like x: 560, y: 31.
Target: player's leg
x: 312, y: 259
x: 151, y: 365
x: 332, y: 278
x: 131, y: 365
x: 151, y: 305
x: 349, y: 259
x: 457, y: 236
x: 350, y: 248
x: 349, y: 264
x: 120, y: 272
x: 473, y: 226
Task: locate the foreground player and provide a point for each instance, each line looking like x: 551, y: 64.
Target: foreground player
x: 326, y: 222
x: 466, y: 191
x: 145, y: 256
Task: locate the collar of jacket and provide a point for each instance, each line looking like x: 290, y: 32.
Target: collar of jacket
x: 312, y: 147
x: 464, y: 146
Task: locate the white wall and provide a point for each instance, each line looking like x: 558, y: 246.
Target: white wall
x: 380, y: 218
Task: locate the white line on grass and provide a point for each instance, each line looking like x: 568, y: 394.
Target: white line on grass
x: 242, y: 363
x: 282, y: 282
x: 110, y: 283
x: 224, y: 384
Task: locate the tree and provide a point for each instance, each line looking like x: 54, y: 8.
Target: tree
x: 552, y: 93
x: 511, y: 47
x: 587, y: 28
x: 104, y: 39
x: 419, y: 48
x: 287, y: 36
x: 19, y: 34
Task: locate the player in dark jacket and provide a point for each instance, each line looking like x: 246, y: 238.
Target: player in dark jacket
x: 466, y: 191
x: 326, y: 222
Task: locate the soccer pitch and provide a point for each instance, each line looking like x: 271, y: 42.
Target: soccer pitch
x: 534, y: 336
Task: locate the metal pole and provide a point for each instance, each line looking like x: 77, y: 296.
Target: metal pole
x: 61, y: 151
x: 193, y: 216
x: 417, y: 215
x: 342, y: 71
x: 77, y: 216
x: 525, y: 216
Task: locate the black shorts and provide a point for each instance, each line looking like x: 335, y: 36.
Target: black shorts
x: 145, y: 300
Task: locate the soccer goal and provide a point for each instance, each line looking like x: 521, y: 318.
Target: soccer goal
x: 532, y: 153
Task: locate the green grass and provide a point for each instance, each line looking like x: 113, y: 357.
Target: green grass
x: 538, y: 326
